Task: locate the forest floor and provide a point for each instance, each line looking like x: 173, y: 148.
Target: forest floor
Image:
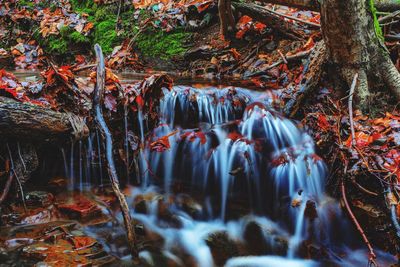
x: 183, y: 39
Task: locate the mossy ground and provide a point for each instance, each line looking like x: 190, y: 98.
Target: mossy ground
x: 151, y: 42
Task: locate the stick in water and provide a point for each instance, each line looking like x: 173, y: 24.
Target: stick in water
x: 106, y: 134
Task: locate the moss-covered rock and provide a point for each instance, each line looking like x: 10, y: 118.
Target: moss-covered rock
x: 156, y: 43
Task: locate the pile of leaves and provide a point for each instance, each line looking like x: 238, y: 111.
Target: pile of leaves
x: 53, y: 22
x: 21, y: 91
x: 27, y: 55
x: 124, y: 57
x: 170, y: 15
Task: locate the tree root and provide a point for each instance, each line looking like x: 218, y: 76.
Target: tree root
x: 106, y: 134
x: 391, y: 76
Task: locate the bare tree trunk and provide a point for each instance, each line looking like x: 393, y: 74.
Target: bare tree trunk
x: 226, y: 17
x: 353, y: 46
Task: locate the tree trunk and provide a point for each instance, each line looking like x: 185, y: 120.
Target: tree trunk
x: 226, y: 18
x: 353, y: 46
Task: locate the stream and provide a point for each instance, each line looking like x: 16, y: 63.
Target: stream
x: 224, y: 180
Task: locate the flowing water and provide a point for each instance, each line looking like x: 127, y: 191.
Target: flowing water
x: 228, y: 145
x: 254, y: 175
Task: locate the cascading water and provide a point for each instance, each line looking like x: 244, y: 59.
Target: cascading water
x: 228, y: 145
x: 256, y: 175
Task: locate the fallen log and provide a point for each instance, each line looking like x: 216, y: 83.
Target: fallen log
x: 381, y: 5
x: 302, y: 4
x: 274, y: 21
x: 29, y: 121
x: 311, y: 77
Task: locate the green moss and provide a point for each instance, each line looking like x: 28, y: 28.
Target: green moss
x: 26, y: 3
x: 105, y: 35
x: 162, y: 44
x: 84, y: 6
x: 378, y: 29
x: 78, y: 37
x: 57, y: 45
x: 62, y: 44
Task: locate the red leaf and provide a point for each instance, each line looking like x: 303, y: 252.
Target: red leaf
x: 322, y: 122
x: 162, y: 143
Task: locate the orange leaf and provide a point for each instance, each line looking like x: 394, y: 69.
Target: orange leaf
x: 322, y: 122
x: 162, y: 143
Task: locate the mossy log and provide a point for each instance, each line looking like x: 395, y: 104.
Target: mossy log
x: 27, y: 121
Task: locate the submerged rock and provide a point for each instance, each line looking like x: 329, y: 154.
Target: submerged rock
x: 263, y: 239
x: 39, y: 199
x: 222, y: 247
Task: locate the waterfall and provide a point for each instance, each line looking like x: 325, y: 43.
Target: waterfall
x: 254, y: 178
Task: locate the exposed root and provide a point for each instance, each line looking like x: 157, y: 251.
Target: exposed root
x: 391, y: 76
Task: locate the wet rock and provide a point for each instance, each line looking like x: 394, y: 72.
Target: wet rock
x: 80, y: 208
x: 263, y: 239
x: 154, y: 259
x: 222, y: 247
x: 39, y: 199
x: 310, y: 211
x: 159, y: 206
x: 40, y: 215
x: 57, y: 184
x: 189, y: 205
x: 313, y: 251
x: 57, y: 243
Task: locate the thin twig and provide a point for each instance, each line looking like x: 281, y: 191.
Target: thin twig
x: 353, y: 87
x: 372, y: 255
x: 106, y: 134
x: 17, y: 178
x: 365, y: 190
x: 6, y: 187
x: 389, y: 17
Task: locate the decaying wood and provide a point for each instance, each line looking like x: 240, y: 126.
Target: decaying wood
x: 106, y: 134
x: 311, y: 78
x: 272, y: 20
x: 312, y: 24
x: 291, y: 58
x: 29, y: 121
x: 302, y: 4
x: 381, y: 5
